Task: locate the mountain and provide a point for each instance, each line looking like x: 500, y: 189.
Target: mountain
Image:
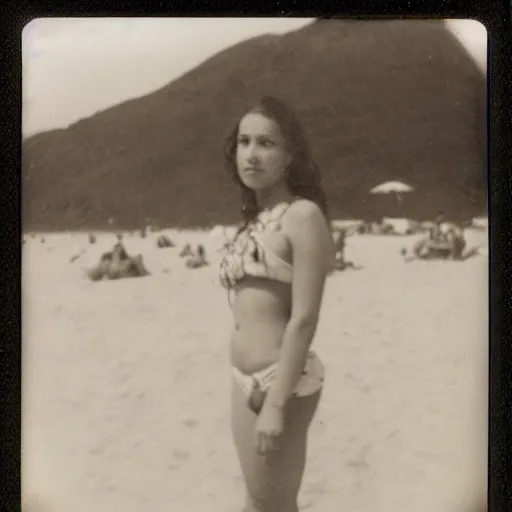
x: 379, y: 100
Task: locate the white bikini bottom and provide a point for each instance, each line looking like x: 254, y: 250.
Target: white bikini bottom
x: 311, y: 380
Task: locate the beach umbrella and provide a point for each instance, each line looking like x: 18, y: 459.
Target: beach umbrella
x: 392, y: 187
x: 389, y: 187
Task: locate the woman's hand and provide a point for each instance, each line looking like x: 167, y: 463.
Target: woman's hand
x: 269, y: 427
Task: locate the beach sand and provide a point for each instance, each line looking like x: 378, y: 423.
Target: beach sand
x: 126, y: 383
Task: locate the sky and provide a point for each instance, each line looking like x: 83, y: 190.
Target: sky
x: 75, y: 67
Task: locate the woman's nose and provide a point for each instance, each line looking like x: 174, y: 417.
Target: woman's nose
x: 252, y: 153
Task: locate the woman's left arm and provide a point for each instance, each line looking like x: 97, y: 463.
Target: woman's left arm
x: 312, y: 251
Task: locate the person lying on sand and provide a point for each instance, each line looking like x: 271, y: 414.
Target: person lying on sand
x: 131, y: 267
x: 198, y: 260
x: 186, y: 251
x: 450, y: 247
x: 164, y: 241
x: 117, y: 264
x: 119, y: 252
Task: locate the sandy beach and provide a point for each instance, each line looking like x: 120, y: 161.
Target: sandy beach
x: 126, y: 383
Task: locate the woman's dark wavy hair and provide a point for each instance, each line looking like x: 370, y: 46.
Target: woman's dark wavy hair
x: 302, y: 175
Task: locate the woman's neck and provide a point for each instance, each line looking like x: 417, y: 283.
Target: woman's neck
x: 268, y: 198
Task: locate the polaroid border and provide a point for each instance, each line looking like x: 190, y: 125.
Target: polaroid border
x: 494, y: 15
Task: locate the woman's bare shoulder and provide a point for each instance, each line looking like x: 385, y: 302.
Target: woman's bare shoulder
x: 305, y: 211
x: 307, y: 226
x: 305, y: 218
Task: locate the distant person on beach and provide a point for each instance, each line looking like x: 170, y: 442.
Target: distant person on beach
x: 275, y: 269
x: 437, y: 233
x: 186, y: 251
x: 199, y: 259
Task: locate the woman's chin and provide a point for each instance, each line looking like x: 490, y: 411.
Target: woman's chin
x: 254, y: 183
x: 258, y: 181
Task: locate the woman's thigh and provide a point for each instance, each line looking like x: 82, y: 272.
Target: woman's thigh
x: 274, y: 478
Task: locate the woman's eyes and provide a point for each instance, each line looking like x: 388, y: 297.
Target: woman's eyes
x: 245, y: 141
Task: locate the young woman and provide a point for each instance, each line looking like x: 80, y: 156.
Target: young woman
x: 275, y: 269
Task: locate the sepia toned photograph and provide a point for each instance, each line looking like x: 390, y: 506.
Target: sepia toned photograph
x: 254, y: 265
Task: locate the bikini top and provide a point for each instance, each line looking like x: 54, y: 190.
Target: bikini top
x: 246, y: 254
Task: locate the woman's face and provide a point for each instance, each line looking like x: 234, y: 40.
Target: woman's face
x: 261, y: 153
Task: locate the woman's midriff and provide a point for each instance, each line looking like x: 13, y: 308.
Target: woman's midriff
x: 261, y: 311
